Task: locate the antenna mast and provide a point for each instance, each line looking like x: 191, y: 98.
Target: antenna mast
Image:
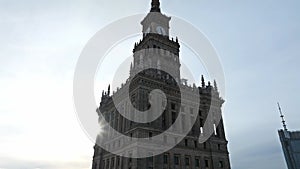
x: 282, y: 117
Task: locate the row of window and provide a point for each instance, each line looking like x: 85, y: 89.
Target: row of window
x: 187, y: 161
x: 110, y: 163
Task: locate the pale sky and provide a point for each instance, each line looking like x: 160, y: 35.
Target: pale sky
x: 257, y: 42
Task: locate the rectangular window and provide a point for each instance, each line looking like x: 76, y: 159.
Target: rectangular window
x: 130, y: 159
x: 173, y: 117
x: 201, y: 122
x: 197, y: 162
x: 150, y: 159
x: 200, y: 113
x: 118, y: 161
x: 206, y: 163
x: 150, y: 135
x: 185, y: 142
x: 187, y: 161
x: 196, y: 143
x: 166, y: 158
x: 112, y: 161
x: 221, y: 164
x: 107, y: 163
x: 176, y: 159
x: 173, y: 106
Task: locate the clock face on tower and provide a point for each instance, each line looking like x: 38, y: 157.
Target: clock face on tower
x: 160, y: 30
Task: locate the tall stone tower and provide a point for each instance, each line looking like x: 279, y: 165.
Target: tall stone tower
x: 156, y: 65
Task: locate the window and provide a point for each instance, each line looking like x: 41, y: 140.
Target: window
x: 206, y: 163
x: 185, y: 142
x: 195, y: 143
x: 173, y: 106
x: 118, y: 161
x: 103, y: 162
x: 201, y: 122
x: 200, y: 113
x: 176, y: 159
x: 197, y: 162
x: 219, y: 147
x: 221, y: 164
x: 204, y: 145
x: 150, y: 159
x: 187, y: 161
x: 150, y: 135
x: 107, y: 163
x: 166, y: 158
x: 218, y: 132
x: 112, y: 161
x: 173, y: 117
x: 130, y: 159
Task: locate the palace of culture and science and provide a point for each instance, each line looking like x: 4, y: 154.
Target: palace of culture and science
x: 187, y: 152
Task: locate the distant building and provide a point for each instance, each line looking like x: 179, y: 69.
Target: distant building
x: 290, y: 141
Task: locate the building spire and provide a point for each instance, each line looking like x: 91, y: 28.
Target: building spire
x: 282, y: 117
x: 155, y: 6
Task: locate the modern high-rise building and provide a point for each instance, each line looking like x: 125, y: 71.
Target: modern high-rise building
x: 290, y: 141
x: 156, y: 65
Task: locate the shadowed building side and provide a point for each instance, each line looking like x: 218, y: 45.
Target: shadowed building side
x: 290, y: 141
x: 156, y: 49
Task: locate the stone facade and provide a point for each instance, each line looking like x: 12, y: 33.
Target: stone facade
x: 157, y: 49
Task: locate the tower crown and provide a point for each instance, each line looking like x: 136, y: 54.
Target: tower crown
x: 155, y: 6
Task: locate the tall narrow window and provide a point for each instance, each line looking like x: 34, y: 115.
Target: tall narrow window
x: 150, y: 135
x: 166, y: 158
x: 173, y: 106
x: 206, y: 163
x: 221, y: 164
x: 176, y: 159
x: 197, y: 162
x: 173, y: 117
x: 187, y: 161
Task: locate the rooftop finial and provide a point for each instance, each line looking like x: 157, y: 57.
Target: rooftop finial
x: 215, y: 85
x: 282, y: 117
x: 155, y: 6
x: 202, y: 81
